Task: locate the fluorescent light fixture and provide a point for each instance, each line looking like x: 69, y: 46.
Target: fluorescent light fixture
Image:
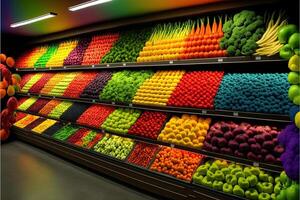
x: 87, y: 4
x: 36, y: 19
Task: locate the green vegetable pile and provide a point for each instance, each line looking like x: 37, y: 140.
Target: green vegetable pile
x: 127, y: 48
x: 65, y: 132
x: 242, y: 32
x: 114, y: 146
x: 121, y: 120
x: 123, y: 85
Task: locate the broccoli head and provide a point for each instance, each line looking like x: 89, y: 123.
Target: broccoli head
x: 249, y: 48
x: 227, y: 26
x: 243, y: 18
x: 223, y: 43
x: 254, y: 25
x: 231, y: 50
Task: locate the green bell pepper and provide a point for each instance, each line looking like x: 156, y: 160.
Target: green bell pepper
x: 265, y: 187
x: 210, y: 175
x: 202, y: 170
x: 247, y: 171
x: 270, y: 179
x: 213, y: 168
x: 263, y: 177
x: 252, y: 194
x: 237, y: 190
x: 231, y: 179
x: 219, y: 176
x: 226, y: 171
x: 277, y: 180
x: 277, y: 188
x: 273, y: 196
x: 236, y: 170
x: 243, y: 183
x: 264, y: 196
x: 218, y: 185
x: 227, y: 188
x: 292, y: 192
x: 253, y: 180
x: 198, y: 179
x: 283, y: 177
x: 255, y: 171
x: 240, y: 175
x: 282, y: 195
x: 206, y: 182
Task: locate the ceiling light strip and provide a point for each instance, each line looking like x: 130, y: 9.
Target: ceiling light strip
x: 87, y: 4
x: 33, y: 20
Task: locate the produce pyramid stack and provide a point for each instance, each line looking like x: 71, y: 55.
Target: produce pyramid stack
x: 98, y: 47
x: 64, y: 48
x: 49, y: 107
x: 76, y: 55
x: 189, y: 130
x: 38, y: 86
x: 41, y: 62
x: 123, y: 85
x: 35, y: 78
x: 76, y: 87
x: 196, y: 89
x: 166, y: 42
x: 158, y: 89
x: 52, y: 82
x: 36, y: 55
x: 60, y: 109
x: 128, y: 46
x: 59, y: 88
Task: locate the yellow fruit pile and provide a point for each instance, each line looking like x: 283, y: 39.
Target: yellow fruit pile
x: 36, y: 55
x: 64, y: 48
x: 158, y: 89
x: 35, y: 78
x: 44, y: 126
x: 52, y: 82
x: 189, y: 130
x: 22, y: 123
x: 26, y: 104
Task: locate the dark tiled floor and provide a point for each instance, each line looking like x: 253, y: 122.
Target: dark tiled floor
x: 28, y: 173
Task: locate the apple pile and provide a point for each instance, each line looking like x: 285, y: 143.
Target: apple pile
x: 48, y: 123
x: 37, y: 105
x: 27, y: 103
x: 196, y: 89
x: 142, y: 154
x: 244, y: 140
x: 61, y: 86
x: 244, y: 181
x: 148, y: 124
x: 123, y: 85
x: 158, y: 89
x: 76, y: 55
x: 41, y: 62
x: 189, y: 130
x: 95, y: 115
x: 64, y: 49
x: 98, y: 47
x: 65, y: 132
x: 262, y: 93
x: 78, y: 84
x: 34, y: 79
x: 49, y: 107
x: 114, y: 146
x: 95, y: 87
x: 60, y: 109
x: 38, y: 86
x: 120, y: 120
x: 175, y: 162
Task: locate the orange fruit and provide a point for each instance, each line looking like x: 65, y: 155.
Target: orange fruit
x: 2, y: 58
x: 10, y: 61
x: 2, y: 93
x: 10, y: 90
x: 14, y: 81
x: 3, y: 84
x: 4, y: 134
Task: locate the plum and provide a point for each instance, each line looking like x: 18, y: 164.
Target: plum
x: 215, y: 149
x: 250, y: 133
x: 224, y: 127
x: 256, y: 148
x: 278, y: 150
x: 274, y: 133
x: 233, y: 144
x: 268, y: 145
x: 244, y: 147
x: 207, y: 146
x: 251, y: 156
x: 218, y: 133
x: 259, y: 157
x: 241, y: 138
x: 226, y: 150
x: 275, y: 140
x: 238, y: 153
x: 222, y: 142
x: 208, y: 137
x: 228, y: 135
x: 264, y: 151
x: 251, y: 141
x: 214, y: 141
x: 238, y: 131
x: 270, y: 158
x: 267, y: 136
x: 259, y: 138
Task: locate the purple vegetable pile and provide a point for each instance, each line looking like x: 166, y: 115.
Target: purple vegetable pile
x: 76, y: 55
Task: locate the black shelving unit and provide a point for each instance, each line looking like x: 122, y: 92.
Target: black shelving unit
x: 277, y: 168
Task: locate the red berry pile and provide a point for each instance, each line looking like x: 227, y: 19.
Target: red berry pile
x: 98, y: 47
x: 38, y: 86
x: 142, y: 154
x: 78, y: 84
x: 196, y: 89
x: 95, y: 115
x: 148, y: 124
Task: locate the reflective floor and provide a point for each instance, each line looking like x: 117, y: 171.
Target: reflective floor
x: 29, y: 173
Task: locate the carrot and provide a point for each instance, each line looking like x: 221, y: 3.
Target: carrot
x: 220, y: 26
x: 208, y: 29
x: 214, y: 26
x: 202, y: 29
x: 198, y: 28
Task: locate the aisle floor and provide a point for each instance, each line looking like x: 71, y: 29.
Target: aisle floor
x: 29, y: 173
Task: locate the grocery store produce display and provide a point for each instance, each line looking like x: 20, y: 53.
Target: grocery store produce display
x: 35, y: 78
x: 37, y: 86
x: 120, y: 120
x: 78, y: 135
x: 187, y: 130
x: 60, y: 87
x: 44, y: 126
x: 262, y: 93
x: 22, y: 123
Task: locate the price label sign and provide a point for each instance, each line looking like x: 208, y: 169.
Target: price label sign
x: 204, y: 112
x: 220, y: 59
x: 256, y: 164
x: 93, y: 66
x: 235, y: 114
x: 107, y: 65
x: 171, y: 62
x: 257, y: 58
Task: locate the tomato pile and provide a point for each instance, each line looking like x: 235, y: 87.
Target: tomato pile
x: 36, y: 88
x: 98, y: 47
x: 57, y: 60
x: 93, y: 89
x: 76, y: 55
x: 196, y: 89
x: 95, y: 115
x: 49, y: 107
x: 158, y: 89
x: 78, y: 84
x: 189, y: 130
x: 142, y: 154
x: 175, y: 162
x: 148, y: 124
x: 38, y: 105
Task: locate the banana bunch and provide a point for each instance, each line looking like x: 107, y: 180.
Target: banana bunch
x: 268, y: 44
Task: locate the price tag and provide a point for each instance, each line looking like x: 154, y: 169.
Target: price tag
x: 65, y: 67
x: 204, y: 112
x: 102, y: 131
x: 172, y: 145
x: 93, y: 100
x: 40, y: 95
x: 17, y: 69
x: 50, y: 68
x: 107, y: 65
x: 256, y: 164
x: 171, y: 62
x: 28, y: 94
x: 124, y: 64
x: 53, y: 97
x: 113, y: 103
x: 93, y: 66
x: 34, y: 69
x: 257, y: 58
x: 220, y: 59
x: 130, y: 105
x: 235, y: 114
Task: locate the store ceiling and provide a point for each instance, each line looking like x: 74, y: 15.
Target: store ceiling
x: 19, y: 10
